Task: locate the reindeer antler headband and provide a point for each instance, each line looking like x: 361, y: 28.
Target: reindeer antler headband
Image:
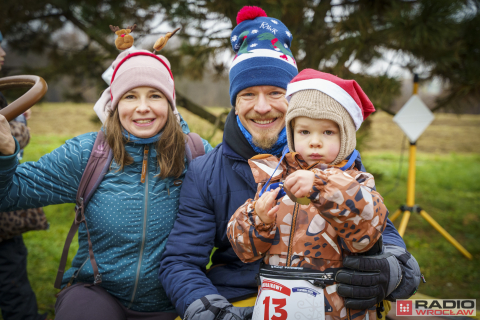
x: 125, y: 40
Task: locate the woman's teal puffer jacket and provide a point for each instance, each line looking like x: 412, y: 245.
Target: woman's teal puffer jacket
x: 129, y: 221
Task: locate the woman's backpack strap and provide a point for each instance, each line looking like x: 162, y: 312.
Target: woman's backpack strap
x: 97, y: 167
x: 194, y: 146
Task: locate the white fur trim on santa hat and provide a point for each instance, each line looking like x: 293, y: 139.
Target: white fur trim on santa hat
x: 334, y: 91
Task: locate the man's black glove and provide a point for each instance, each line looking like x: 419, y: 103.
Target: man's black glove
x: 392, y: 274
x: 216, y: 307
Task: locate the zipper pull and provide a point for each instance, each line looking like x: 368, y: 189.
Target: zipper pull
x: 144, y: 163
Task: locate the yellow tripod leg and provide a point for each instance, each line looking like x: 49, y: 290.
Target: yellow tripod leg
x: 410, y: 189
x: 395, y: 215
x: 445, y: 234
x: 403, y: 223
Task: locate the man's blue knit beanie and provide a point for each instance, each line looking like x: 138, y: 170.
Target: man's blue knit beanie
x: 263, y: 56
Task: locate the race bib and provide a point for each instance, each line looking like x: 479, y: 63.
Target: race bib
x: 280, y: 299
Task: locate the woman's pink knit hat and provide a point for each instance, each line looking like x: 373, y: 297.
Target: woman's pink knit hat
x: 137, y: 68
x: 141, y: 68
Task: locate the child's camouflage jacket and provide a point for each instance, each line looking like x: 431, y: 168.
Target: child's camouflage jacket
x: 346, y: 215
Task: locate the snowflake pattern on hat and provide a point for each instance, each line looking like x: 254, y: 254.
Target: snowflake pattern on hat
x: 262, y: 52
x: 267, y: 34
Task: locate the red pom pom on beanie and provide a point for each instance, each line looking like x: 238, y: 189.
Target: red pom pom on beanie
x: 250, y: 13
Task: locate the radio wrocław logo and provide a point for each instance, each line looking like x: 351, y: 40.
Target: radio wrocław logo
x: 436, y: 307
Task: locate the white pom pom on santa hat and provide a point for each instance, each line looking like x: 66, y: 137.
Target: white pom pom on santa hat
x: 346, y: 92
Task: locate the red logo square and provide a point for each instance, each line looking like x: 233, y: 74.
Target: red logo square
x: 404, y: 307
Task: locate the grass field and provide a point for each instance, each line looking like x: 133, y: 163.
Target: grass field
x: 448, y: 167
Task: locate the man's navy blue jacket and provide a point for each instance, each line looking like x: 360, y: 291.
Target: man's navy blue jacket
x: 215, y: 186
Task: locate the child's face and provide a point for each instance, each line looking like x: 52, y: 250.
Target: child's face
x: 316, y: 140
x: 143, y: 111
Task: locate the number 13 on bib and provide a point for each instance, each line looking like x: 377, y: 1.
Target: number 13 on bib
x: 281, y: 299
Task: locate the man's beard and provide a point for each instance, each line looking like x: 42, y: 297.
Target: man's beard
x: 267, y: 140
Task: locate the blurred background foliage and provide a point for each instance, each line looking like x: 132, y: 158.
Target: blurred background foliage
x: 436, y: 38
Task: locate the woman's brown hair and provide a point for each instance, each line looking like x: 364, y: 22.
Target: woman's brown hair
x: 170, y: 147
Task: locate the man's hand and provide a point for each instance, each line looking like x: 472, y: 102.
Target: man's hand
x: 7, y: 143
x: 266, y: 207
x: 216, y: 307
x: 393, y: 274
x: 300, y: 183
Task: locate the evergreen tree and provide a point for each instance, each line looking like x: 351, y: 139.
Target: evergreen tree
x: 438, y: 36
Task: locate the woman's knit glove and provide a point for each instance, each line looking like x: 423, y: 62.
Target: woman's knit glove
x: 368, y: 279
x: 216, y: 307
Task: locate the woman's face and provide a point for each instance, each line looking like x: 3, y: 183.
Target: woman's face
x: 143, y: 111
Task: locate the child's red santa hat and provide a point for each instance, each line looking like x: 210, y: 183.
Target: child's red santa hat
x: 320, y: 95
x: 347, y: 92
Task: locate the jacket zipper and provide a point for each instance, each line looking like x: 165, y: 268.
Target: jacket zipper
x: 144, y: 164
x: 292, y: 231
x: 144, y: 180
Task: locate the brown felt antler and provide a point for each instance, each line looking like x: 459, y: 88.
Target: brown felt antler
x: 131, y: 27
x: 114, y: 29
x: 162, y: 41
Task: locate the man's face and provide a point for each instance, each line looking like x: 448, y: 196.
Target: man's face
x: 2, y: 56
x: 261, y: 111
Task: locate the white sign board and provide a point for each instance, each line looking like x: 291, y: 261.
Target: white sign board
x: 414, y: 118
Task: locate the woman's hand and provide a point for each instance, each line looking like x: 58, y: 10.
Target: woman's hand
x: 7, y: 143
x: 266, y: 207
x: 300, y: 183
